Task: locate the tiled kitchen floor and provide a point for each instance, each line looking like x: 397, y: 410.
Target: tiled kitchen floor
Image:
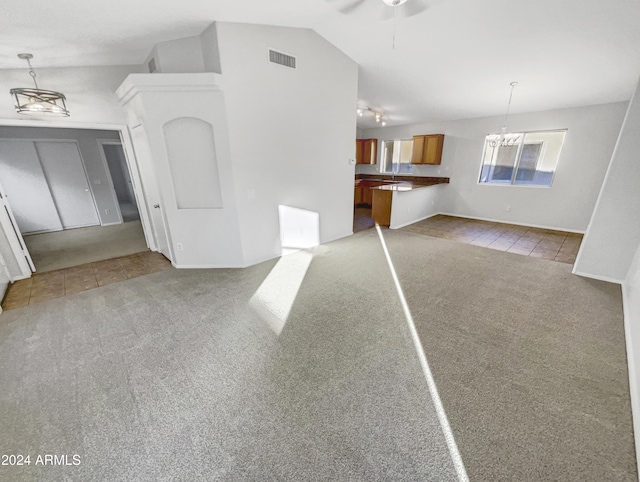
x: 362, y: 219
x: 539, y: 243
x: 55, y: 284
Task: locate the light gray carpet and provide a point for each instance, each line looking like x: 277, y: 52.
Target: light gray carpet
x: 73, y: 247
x: 174, y: 376
x: 129, y: 211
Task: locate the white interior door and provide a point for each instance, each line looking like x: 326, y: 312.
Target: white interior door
x: 150, y: 189
x: 26, y: 187
x: 67, y: 179
x: 13, y: 235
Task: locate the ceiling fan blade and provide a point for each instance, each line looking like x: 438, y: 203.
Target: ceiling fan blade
x: 386, y: 12
x: 346, y: 6
x: 412, y: 7
x: 408, y: 9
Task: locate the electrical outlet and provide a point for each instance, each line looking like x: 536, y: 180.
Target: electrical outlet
x: 508, y: 208
x: 179, y: 246
x: 107, y: 211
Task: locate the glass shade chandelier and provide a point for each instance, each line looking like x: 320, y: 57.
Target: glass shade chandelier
x: 38, y: 101
x: 504, y: 139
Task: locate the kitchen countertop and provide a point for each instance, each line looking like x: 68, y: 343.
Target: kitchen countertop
x: 401, y: 186
x: 400, y: 183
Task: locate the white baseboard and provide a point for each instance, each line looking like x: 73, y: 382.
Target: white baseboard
x: 335, y: 238
x: 413, y: 222
x: 598, y: 277
x: 203, y: 266
x: 540, y: 226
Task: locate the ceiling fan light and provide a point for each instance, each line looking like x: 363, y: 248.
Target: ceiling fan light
x: 394, y: 3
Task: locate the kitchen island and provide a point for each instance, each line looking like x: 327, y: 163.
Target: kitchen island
x: 399, y: 200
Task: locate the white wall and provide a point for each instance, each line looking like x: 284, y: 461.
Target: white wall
x: 90, y: 92
x: 209, y: 236
x: 567, y: 205
x: 631, y: 301
x: 409, y: 207
x: 210, y: 50
x: 178, y: 56
x: 614, y: 230
x: 99, y: 177
x: 291, y: 131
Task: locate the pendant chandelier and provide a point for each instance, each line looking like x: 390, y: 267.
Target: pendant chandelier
x: 38, y: 101
x: 504, y: 139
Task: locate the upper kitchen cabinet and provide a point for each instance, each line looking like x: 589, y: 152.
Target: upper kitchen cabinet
x: 366, y: 151
x: 427, y: 149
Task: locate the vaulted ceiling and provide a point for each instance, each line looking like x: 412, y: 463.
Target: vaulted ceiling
x: 453, y: 60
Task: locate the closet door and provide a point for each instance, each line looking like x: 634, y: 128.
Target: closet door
x: 64, y: 170
x: 26, y: 187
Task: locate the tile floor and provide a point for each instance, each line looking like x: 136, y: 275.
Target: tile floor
x: 539, y: 243
x: 362, y: 219
x: 63, y: 282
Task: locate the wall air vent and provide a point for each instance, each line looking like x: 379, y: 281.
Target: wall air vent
x: 276, y: 57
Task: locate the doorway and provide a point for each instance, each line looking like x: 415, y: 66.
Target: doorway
x: 116, y: 161
x: 73, y: 195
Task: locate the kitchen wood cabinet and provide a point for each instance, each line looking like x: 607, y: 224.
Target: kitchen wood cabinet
x: 357, y: 195
x: 366, y: 151
x: 427, y: 149
x: 381, y: 207
x: 362, y: 192
x: 367, y: 196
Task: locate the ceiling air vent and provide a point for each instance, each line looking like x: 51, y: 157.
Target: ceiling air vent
x: 276, y: 57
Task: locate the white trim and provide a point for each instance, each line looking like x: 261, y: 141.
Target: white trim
x: 335, y: 239
x: 596, y: 276
x: 60, y: 125
x: 138, y: 189
x: 6, y: 271
x: 13, y: 234
x: 539, y: 226
x: 210, y: 266
x: 43, y: 231
x: 158, y: 82
x: 105, y: 163
x: 413, y: 222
